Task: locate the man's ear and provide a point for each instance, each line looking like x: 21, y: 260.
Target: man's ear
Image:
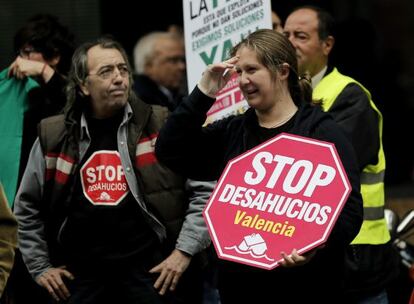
x: 327, y: 45
x: 148, y: 67
x: 84, y: 89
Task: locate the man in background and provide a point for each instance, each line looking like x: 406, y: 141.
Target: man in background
x: 370, y: 257
x: 160, y: 66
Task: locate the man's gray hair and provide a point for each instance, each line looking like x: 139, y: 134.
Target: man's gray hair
x: 145, y: 47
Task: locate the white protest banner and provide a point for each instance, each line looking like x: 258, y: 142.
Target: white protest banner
x: 211, y: 29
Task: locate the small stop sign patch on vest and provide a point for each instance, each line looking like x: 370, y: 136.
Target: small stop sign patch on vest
x: 103, y: 179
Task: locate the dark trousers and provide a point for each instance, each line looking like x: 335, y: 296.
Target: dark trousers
x: 125, y: 281
x: 127, y: 284
x: 130, y: 282
x: 190, y: 287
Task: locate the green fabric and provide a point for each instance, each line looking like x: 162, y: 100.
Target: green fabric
x: 13, y: 104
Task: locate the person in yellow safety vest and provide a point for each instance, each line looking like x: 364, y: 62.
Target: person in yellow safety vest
x: 370, y: 258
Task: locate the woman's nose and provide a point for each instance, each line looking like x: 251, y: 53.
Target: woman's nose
x: 243, y: 79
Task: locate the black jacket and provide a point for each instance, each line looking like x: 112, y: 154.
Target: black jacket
x: 370, y: 268
x: 202, y: 153
x: 146, y: 89
x: 44, y: 101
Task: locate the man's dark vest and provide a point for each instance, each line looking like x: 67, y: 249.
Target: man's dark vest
x: 162, y: 190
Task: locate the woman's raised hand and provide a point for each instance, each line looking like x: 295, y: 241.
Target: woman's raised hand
x: 216, y: 76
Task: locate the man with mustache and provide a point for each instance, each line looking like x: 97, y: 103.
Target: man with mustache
x: 98, y: 214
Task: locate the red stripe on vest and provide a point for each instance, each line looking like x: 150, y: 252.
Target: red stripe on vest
x: 145, y: 151
x: 50, y: 173
x: 145, y: 160
x: 149, y: 138
x: 61, y: 177
x: 67, y: 158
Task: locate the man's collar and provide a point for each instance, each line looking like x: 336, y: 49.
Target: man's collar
x: 84, y: 127
x: 84, y: 124
x: 318, y: 77
x: 166, y: 92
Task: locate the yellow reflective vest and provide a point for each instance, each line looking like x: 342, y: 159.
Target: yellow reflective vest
x: 374, y: 228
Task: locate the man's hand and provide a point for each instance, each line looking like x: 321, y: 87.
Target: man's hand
x: 170, y: 271
x: 52, y: 280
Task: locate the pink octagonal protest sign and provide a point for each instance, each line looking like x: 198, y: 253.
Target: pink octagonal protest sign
x: 283, y: 194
